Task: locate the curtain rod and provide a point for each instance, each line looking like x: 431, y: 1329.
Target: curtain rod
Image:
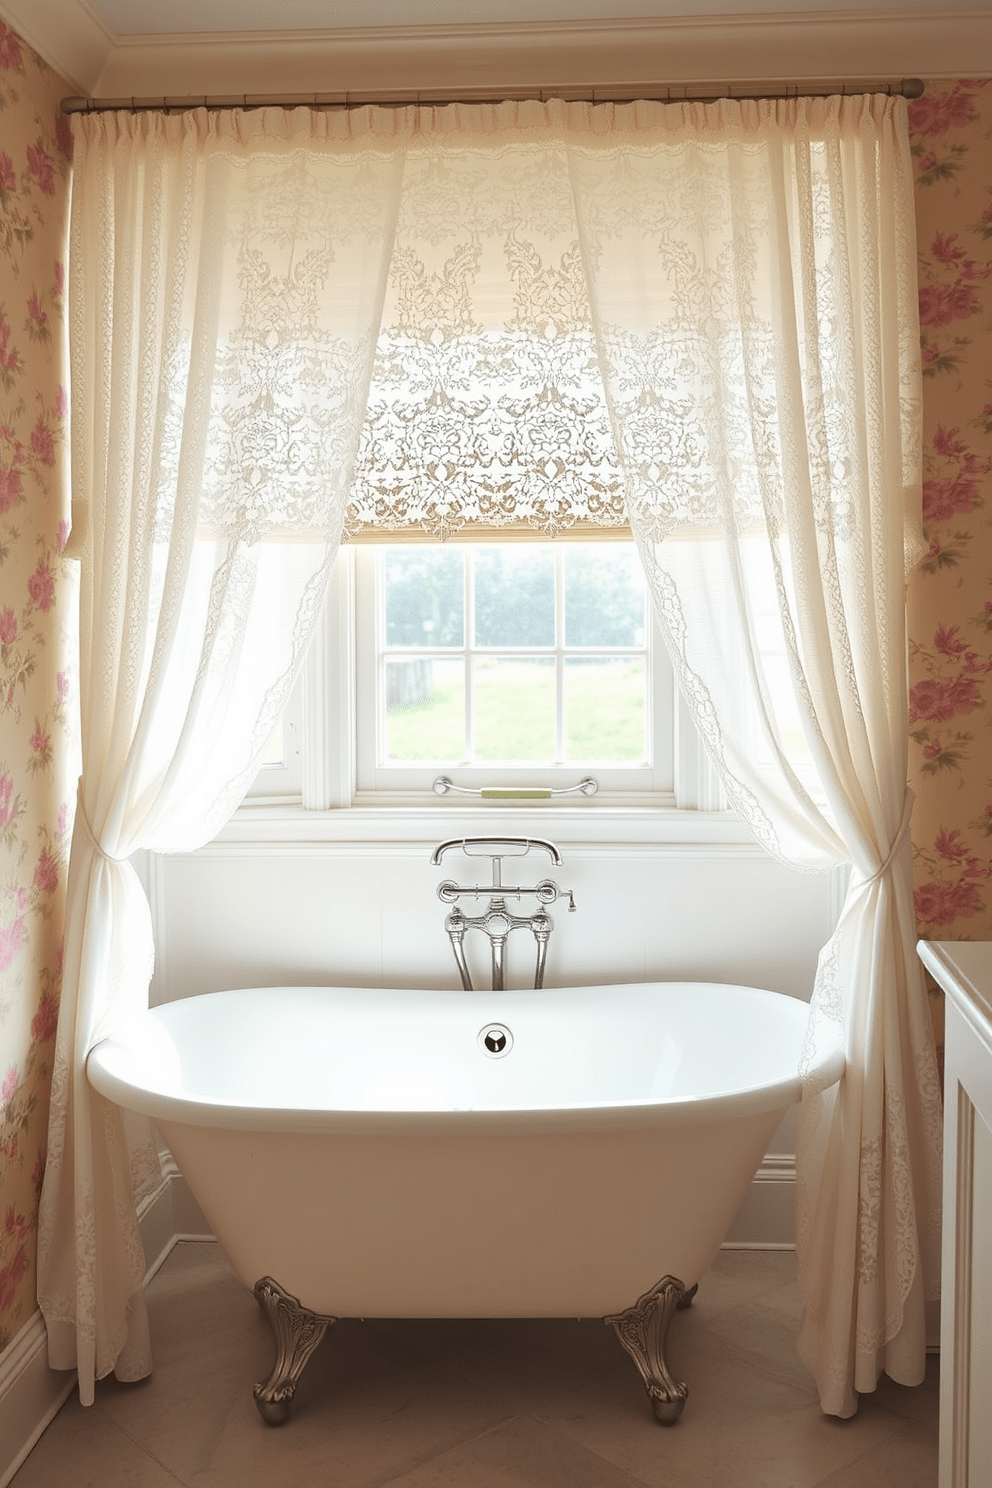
x: 403, y: 98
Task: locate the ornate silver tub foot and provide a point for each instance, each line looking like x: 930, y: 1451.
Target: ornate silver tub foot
x: 297, y: 1334
x: 643, y: 1331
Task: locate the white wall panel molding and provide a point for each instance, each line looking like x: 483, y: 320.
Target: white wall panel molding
x: 816, y: 44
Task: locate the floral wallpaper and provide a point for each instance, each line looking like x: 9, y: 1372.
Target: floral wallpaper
x: 37, y: 754
x: 950, y: 597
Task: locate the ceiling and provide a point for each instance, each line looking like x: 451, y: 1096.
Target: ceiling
x: 162, y: 17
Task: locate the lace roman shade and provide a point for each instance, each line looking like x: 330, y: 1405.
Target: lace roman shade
x: 486, y: 413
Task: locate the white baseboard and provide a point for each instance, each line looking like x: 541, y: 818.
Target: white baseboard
x: 767, y: 1218
x: 31, y: 1393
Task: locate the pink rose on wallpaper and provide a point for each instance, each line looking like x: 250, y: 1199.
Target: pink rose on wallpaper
x: 936, y: 113
x: 37, y: 315
x: 45, y: 1020
x: 942, y: 303
x: 11, y: 485
x: 9, y: 360
x: 10, y: 1275
x: 943, y: 499
x: 46, y: 874
x: 59, y: 276
x: 42, y: 168
x: 949, y: 844
x: 41, y: 587
x: 63, y: 820
x: 42, y: 443
x: 942, y: 903
x: 8, y: 175
x: 946, y: 442
x: 8, y: 626
x: 9, y: 1085
x: 8, y: 802
x: 945, y: 250
x: 936, y: 699
x: 61, y: 402
x: 10, y: 48
x: 63, y: 135
x: 11, y: 939
x: 62, y: 686
x: 62, y: 536
x: 947, y: 642
x: 15, y: 1224
x: 39, y: 741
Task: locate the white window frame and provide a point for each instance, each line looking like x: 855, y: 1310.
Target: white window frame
x: 414, y: 781
x: 322, y: 773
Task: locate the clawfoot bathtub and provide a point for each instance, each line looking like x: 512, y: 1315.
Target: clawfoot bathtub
x: 573, y: 1152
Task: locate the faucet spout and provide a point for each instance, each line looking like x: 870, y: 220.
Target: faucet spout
x: 496, y: 921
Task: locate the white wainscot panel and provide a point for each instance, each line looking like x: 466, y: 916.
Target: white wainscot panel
x: 230, y: 916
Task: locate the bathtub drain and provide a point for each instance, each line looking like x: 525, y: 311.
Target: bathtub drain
x: 496, y: 1040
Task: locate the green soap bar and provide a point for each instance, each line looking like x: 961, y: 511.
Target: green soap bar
x: 495, y: 793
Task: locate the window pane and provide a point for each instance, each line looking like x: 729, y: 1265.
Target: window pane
x: 514, y: 596
x: 604, y: 595
x: 425, y: 710
x: 604, y: 709
x: 514, y: 709
x: 274, y: 748
x: 424, y: 589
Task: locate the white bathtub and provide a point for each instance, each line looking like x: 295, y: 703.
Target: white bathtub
x: 365, y: 1150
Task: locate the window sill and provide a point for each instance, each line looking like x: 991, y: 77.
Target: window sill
x: 398, y: 825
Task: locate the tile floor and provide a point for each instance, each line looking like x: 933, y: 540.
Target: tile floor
x: 502, y: 1404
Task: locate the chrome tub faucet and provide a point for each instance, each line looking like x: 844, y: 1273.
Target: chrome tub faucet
x: 497, y: 920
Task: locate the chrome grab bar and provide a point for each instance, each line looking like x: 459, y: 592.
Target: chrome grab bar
x: 497, y: 921
x: 443, y: 786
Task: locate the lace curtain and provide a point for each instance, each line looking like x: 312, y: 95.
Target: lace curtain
x: 700, y: 316
x: 752, y: 274
x: 227, y: 273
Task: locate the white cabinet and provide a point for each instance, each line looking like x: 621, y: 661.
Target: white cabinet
x: 964, y: 971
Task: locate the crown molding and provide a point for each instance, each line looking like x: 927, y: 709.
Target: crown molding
x: 900, y: 41
x: 894, y: 43
x: 69, y: 35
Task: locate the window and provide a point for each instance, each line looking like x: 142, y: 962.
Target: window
x: 569, y: 680
x: 520, y: 664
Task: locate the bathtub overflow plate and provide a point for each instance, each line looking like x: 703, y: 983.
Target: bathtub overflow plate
x: 495, y: 1040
